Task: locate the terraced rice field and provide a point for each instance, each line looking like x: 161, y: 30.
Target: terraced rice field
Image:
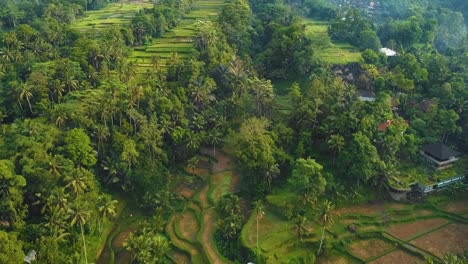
x: 176, y: 41
x: 111, y: 15
x: 191, y: 231
x: 385, y: 232
x: 179, y: 39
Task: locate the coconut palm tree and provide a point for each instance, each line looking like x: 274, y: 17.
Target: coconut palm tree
x: 215, y: 138
x: 24, y: 91
x: 260, y: 211
x: 106, y: 208
x: 336, y: 143
x: 79, y: 217
x: 76, y: 182
x: 326, y: 218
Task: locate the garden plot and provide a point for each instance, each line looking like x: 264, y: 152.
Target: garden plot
x: 452, y: 238
x: 405, y: 231
x: 398, y: 256
x: 459, y: 207
x: 369, y: 248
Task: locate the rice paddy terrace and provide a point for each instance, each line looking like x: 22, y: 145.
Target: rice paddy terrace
x: 179, y: 39
x: 378, y: 232
x: 176, y: 42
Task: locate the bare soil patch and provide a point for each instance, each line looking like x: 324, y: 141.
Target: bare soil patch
x: 209, y: 223
x: 118, y: 241
x: 369, y: 248
x: 188, y: 225
x: 456, y: 207
x: 185, y: 192
x: 333, y: 260
x: 406, y: 231
x: 372, y: 208
x: 198, y: 171
x: 452, y: 238
x: 203, y: 196
x: 367, y: 209
x: 235, y: 182
x: 398, y: 256
x: 179, y: 257
x: 123, y: 257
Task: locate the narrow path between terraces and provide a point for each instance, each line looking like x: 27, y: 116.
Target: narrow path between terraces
x: 192, y: 230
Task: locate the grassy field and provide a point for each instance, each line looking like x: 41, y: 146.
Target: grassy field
x: 333, y: 53
x: 111, y: 15
x: 386, y: 232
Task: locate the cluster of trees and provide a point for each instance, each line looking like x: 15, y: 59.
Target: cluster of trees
x: 77, y: 120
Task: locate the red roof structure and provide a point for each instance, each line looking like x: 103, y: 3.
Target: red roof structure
x: 384, y: 125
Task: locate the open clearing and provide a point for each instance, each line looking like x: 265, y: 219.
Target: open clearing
x: 333, y: 53
x: 369, y: 248
x: 451, y: 238
x: 406, y: 231
x: 398, y: 256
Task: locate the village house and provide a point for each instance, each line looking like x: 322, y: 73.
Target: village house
x: 439, y: 155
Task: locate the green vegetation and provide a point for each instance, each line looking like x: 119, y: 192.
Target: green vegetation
x: 113, y: 14
x: 325, y: 50
x: 229, y: 131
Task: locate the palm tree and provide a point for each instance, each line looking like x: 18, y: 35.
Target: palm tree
x: 106, y: 208
x: 336, y: 143
x: 299, y: 221
x: 271, y: 172
x: 76, y: 182
x: 25, y: 93
x: 215, y: 138
x: 326, y: 218
x: 259, y: 210
x: 192, y: 163
x: 79, y: 217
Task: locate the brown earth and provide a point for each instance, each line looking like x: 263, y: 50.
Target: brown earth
x: 185, y: 192
x: 369, y: 248
x: 333, y: 260
x: 406, y: 231
x: 209, y: 224
x: 456, y: 207
x: 398, y: 256
x: 179, y: 257
x: 188, y: 225
x: 452, y: 238
x: 117, y: 243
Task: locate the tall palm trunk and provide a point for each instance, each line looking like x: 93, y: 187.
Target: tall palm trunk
x: 321, y: 241
x: 29, y: 103
x: 257, y: 233
x: 84, y: 243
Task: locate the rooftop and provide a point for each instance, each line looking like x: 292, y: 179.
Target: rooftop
x: 440, y: 151
x: 388, y: 52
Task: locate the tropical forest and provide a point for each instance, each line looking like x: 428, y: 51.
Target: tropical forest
x: 233, y: 131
